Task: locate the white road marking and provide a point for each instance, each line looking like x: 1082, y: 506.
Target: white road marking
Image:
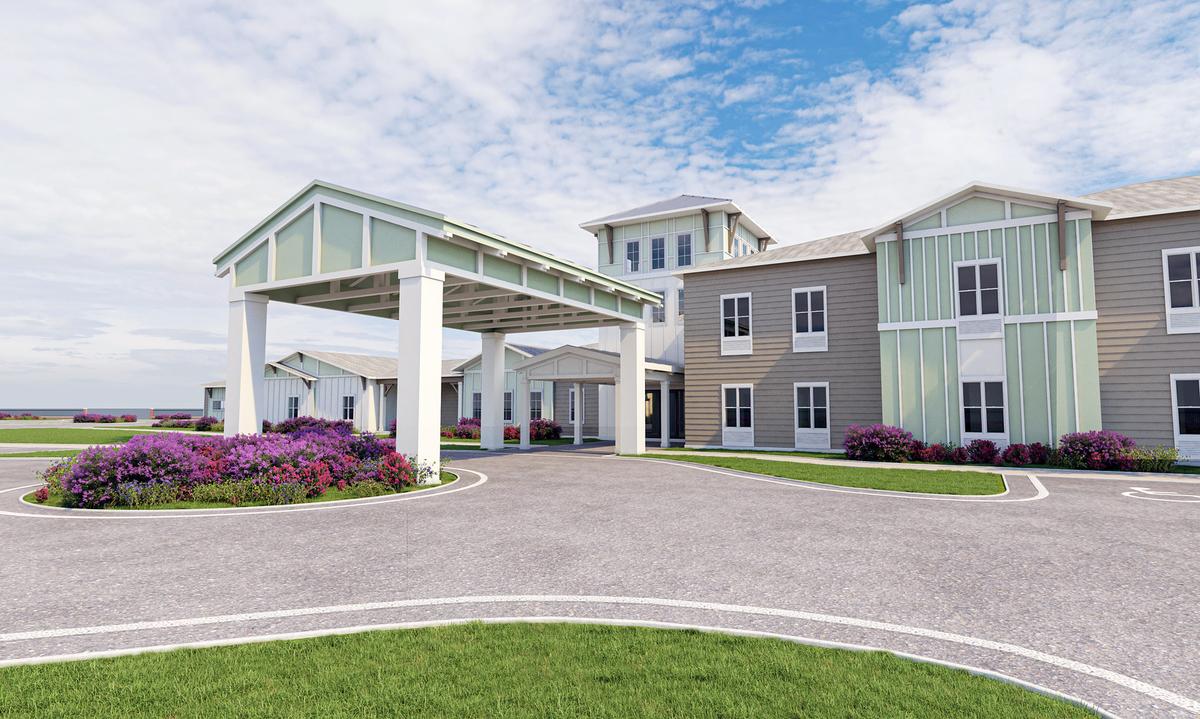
x: 607, y: 621
x: 119, y: 514
x: 1160, y: 495
x: 1042, y: 492
x: 1117, y: 678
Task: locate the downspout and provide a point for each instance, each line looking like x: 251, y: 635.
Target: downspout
x: 704, y: 219
x: 734, y: 218
x: 609, y: 230
x: 900, y: 245
x: 1062, y: 236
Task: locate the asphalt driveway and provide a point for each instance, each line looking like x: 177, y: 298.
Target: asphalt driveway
x: 1090, y: 588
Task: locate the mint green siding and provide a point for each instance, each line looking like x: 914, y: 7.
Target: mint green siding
x: 576, y: 291
x: 974, y: 210
x: 341, y: 239
x: 294, y: 248
x: 607, y: 300
x: 391, y: 243
x: 1034, y: 398
x: 889, y: 363
x: 446, y: 253
x: 1087, y: 374
x: 1012, y: 362
x: 251, y: 269
x: 631, y: 308
x: 933, y: 382
x: 501, y: 269
x: 543, y: 281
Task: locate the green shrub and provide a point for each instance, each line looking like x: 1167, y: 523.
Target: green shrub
x: 1153, y: 459
x: 366, y: 488
x: 132, y: 494
x: 249, y: 491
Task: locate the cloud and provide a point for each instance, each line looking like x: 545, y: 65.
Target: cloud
x: 139, y: 140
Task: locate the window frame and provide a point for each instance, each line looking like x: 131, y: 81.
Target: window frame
x: 1187, y: 444
x: 509, y: 403
x: 658, y: 242
x: 810, y: 437
x: 633, y: 264
x: 738, y: 344
x: 1175, y: 314
x: 292, y: 405
x: 658, y: 313
x: 976, y: 264
x: 476, y: 405
x: 218, y: 405
x: 571, y: 405
x: 679, y: 245
x: 811, y: 341
x: 349, y: 407
x: 738, y: 436
x: 535, y: 400
x: 679, y: 302
x: 982, y: 380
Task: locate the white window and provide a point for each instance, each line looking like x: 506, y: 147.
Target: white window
x: 983, y: 409
x: 812, y: 415
x: 737, y: 422
x: 1181, y: 272
x: 679, y: 302
x: 658, y: 314
x: 476, y: 405
x: 571, y: 405
x: 535, y: 405
x: 218, y: 405
x: 683, y: 249
x: 1185, y: 401
x: 978, y: 289
x: 348, y: 407
x: 293, y: 407
x: 808, y: 320
x: 735, y: 325
x: 508, y: 406
x: 633, y: 254
x: 658, y: 253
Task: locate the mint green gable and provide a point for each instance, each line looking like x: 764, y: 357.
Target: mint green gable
x: 1048, y: 348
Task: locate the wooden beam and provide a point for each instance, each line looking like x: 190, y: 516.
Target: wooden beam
x: 704, y: 219
x: 900, y: 245
x: 734, y: 219
x: 1062, y: 236
x: 608, y: 229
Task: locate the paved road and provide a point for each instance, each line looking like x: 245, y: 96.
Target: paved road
x: 1084, y: 591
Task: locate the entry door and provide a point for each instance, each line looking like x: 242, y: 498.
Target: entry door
x: 653, y: 414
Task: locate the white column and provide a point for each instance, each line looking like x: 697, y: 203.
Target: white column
x: 370, y: 420
x: 522, y: 407
x: 462, y: 410
x: 310, y: 398
x: 419, y: 369
x: 631, y: 391
x: 245, y: 383
x: 664, y: 404
x: 491, y: 430
x: 578, y: 389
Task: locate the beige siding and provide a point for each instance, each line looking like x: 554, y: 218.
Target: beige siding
x: 591, y: 409
x: 1137, y: 356
x: 449, y: 403
x: 850, y: 366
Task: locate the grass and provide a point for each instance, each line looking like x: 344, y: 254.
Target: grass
x: 68, y: 435
x: 516, y: 670
x: 51, y: 453
x: 866, y: 477
x: 331, y: 494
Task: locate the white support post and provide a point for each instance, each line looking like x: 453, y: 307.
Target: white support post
x: 310, y: 398
x: 462, y: 409
x: 631, y: 391
x: 491, y: 421
x: 522, y: 408
x: 419, y: 369
x: 245, y: 383
x: 664, y: 404
x: 578, y: 389
x: 370, y: 420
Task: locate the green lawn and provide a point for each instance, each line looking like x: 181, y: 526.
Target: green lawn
x: 68, y: 435
x: 51, y: 453
x: 516, y: 670
x: 331, y: 494
x: 866, y: 477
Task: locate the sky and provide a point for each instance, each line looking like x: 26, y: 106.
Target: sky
x: 137, y: 140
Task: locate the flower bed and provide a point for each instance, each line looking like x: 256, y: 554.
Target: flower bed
x: 276, y: 468
x: 203, y: 424
x: 23, y: 415
x: 92, y: 418
x: 468, y: 428
x: 1097, y: 450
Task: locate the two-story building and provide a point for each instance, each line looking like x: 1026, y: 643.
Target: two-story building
x: 992, y: 313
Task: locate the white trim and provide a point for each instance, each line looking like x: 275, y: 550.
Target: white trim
x: 946, y: 380
x: 899, y: 385
x: 980, y: 226
x: 887, y: 281
x: 1051, y: 317
x: 1078, y: 266
x: 1147, y: 213
x: 1021, y: 386
x: 738, y: 344
x: 926, y: 325
x: 1074, y: 376
x: 737, y: 436
x: 965, y: 437
x: 1188, y: 449
x: 937, y: 264
x: 1049, y: 400
x: 921, y: 381
x: 808, y: 433
x: 1191, y: 313
x: 984, y: 319
x: 811, y: 341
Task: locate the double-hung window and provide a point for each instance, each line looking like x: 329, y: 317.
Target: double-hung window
x: 736, y: 325
x: 571, y: 405
x: 812, y: 415
x: 535, y: 405
x: 476, y: 405
x: 983, y: 408
x: 293, y: 407
x: 348, y: 407
x: 658, y: 253
x: 1185, y: 398
x: 738, y: 415
x: 633, y: 255
x: 658, y: 314
x: 1181, y: 268
x: 683, y: 249
x: 979, y: 289
x: 508, y: 406
x: 808, y: 320
x: 679, y: 302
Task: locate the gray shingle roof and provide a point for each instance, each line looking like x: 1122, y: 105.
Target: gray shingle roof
x: 1149, y: 197
x: 369, y: 366
x: 849, y: 243
x: 682, y: 202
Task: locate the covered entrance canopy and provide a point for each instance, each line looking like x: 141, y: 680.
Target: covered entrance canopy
x: 334, y: 248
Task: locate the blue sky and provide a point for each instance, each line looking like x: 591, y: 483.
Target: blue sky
x: 138, y: 139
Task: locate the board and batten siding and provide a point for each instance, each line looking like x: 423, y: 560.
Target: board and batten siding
x: 449, y: 404
x: 591, y: 409
x: 850, y: 366
x: 1136, y: 355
